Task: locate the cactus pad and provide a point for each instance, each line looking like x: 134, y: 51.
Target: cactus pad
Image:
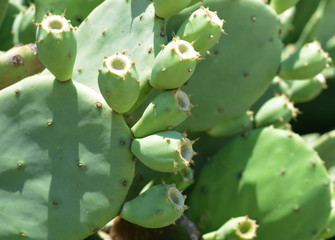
x: 69, y: 169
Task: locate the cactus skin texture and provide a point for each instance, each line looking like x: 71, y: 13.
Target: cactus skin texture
x: 57, y: 47
x: 240, y: 228
x: 118, y: 82
x: 245, y: 182
x: 203, y: 28
x: 306, y: 62
x: 174, y: 65
x: 163, y: 202
x: 252, y: 31
x: 166, y: 111
x: 168, y: 8
x: 70, y: 145
x: 17, y: 63
x: 167, y: 151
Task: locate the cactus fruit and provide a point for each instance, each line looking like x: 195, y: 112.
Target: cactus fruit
x: 240, y: 228
x: 168, y: 8
x: 304, y: 63
x: 305, y: 90
x: 203, y: 28
x: 259, y: 175
x: 168, y: 151
x: 118, y: 82
x: 174, y: 65
x: 277, y: 111
x: 57, y: 47
x: 157, y: 207
x: 233, y: 126
x: 17, y: 63
x: 166, y: 111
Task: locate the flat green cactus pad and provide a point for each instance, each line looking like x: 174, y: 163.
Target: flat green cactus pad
x: 270, y: 175
x: 65, y: 165
x: 240, y: 67
x: 117, y: 26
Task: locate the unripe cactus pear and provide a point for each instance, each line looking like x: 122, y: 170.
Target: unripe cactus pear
x: 233, y: 126
x: 174, y: 65
x: 240, y: 228
x: 118, y: 82
x: 57, y: 47
x: 168, y: 8
x: 166, y: 111
x: 306, y: 62
x: 157, y: 207
x: 168, y: 151
x: 277, y: 111
x: 203, y: 28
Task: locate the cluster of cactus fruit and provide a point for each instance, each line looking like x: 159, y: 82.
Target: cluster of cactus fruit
x: 112, y: 110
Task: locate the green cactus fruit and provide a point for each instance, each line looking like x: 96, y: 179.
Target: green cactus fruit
x: 306, y: 90
x: 166, y: 111
x: 168, y: 8
x: 157, y: 207
x: 3, y: 9
x: 23, y: 28
x: 306, y: 62
x: 240, y: 228
x: 167, y: 151
x: 17, y: 63
x: 66, y: 162
x: 324, y: 145
x: 229, y: 81
x: 174, y: 65
x: 280, y: 6
x: 76, y: 10
x: 270, y: 175
x: 277, y: 111
x: 203, y: 28
x: 233, y: 126
x: 118, y: 82
x: 57, y: 47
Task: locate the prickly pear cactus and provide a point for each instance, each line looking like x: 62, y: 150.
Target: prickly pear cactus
x: 234, y: 75
x: 264, y: 181
x: 68, y: 145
